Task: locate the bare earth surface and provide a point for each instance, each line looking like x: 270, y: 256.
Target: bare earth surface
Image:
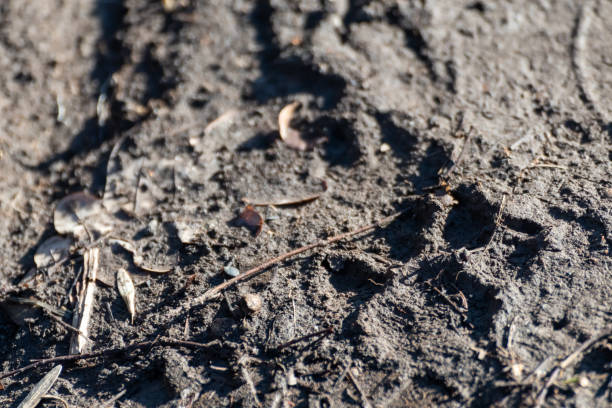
x: 489, y: 124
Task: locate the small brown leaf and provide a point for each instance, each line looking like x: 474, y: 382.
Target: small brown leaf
x: 251, y: 219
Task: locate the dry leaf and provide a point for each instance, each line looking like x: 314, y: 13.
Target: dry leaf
x: 41, y: 388
x: 288, y: 201
x: 52, y: 251
x: 137, y: 257
x: 81, y: 215
x: 250, y: 219
x: 290, y: 136
x: 125, y: 285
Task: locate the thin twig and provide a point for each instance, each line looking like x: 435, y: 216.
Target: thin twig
x: 247, y: 378
x: 57, y: 398
x: 326, y: 331
x: 68, y: 326
x: 111, y: 402
x: 262, y: 267
x: 104, y: 353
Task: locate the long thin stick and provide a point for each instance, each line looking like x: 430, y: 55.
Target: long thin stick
x: 101, y: 353
x: 209, y: 294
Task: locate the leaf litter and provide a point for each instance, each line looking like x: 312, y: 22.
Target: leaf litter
x: 51, y: 251
x: 292, y: 137
x: 290, y: 201
x: 126, y: 288
x: 251, y: 219
x: 83, y: 216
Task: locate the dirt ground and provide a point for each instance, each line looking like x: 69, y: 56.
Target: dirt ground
x: 488, y: 125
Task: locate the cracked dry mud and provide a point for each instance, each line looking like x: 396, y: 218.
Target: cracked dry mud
x: 470, y: 298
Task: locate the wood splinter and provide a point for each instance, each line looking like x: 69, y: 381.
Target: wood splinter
x: 82, y: 314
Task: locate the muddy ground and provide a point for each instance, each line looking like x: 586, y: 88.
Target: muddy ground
x: 487, y: 123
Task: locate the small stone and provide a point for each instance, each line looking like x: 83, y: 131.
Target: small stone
x: 584, y: 382
x: 253, y: 302
x: 231, y: 270
x: 384, y: 148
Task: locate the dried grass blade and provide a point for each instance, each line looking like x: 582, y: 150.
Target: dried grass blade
x: 41, y: 388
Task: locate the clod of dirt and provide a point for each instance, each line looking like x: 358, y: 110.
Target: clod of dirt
x: 52, y: 251
x: 179, y: 375
x: 253, y: 302
x: 222, y: 327
x: 187, y: 233
x: 126, y: 288
x: 250, y: 219
x: 81, y: 215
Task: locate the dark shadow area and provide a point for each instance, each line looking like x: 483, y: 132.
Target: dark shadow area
x: 282, y: 76
x: 413, y: 38
x: 447, y: 273
x: 470, y: 223
x: 405, y: 235
x: 157, y: 82
x: 436, y: 157
x: 403, y: 144
x: 401, y: 141
x: 261, y: 141
x: 356, y: 273
x: 342, y: 144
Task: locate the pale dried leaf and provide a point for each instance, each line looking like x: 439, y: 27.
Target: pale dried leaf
x: 41, y: 388
x: 284, y: 119
x: 126, y: 288
x: 81, y: 215
x: 290, y: 136
x: 52, y: 251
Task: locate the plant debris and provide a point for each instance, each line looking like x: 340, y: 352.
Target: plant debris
x: 82, y: 314
x: 250, y: 219
x: 291, y: 137
x: 51, y: 251
x: 41, y: 388
x: 81, y: 215
x: 284, y: 202
x: 137, y: 257
x: 125, y: 285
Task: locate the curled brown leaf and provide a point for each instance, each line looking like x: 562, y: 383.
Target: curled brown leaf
x: 250, y: 219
